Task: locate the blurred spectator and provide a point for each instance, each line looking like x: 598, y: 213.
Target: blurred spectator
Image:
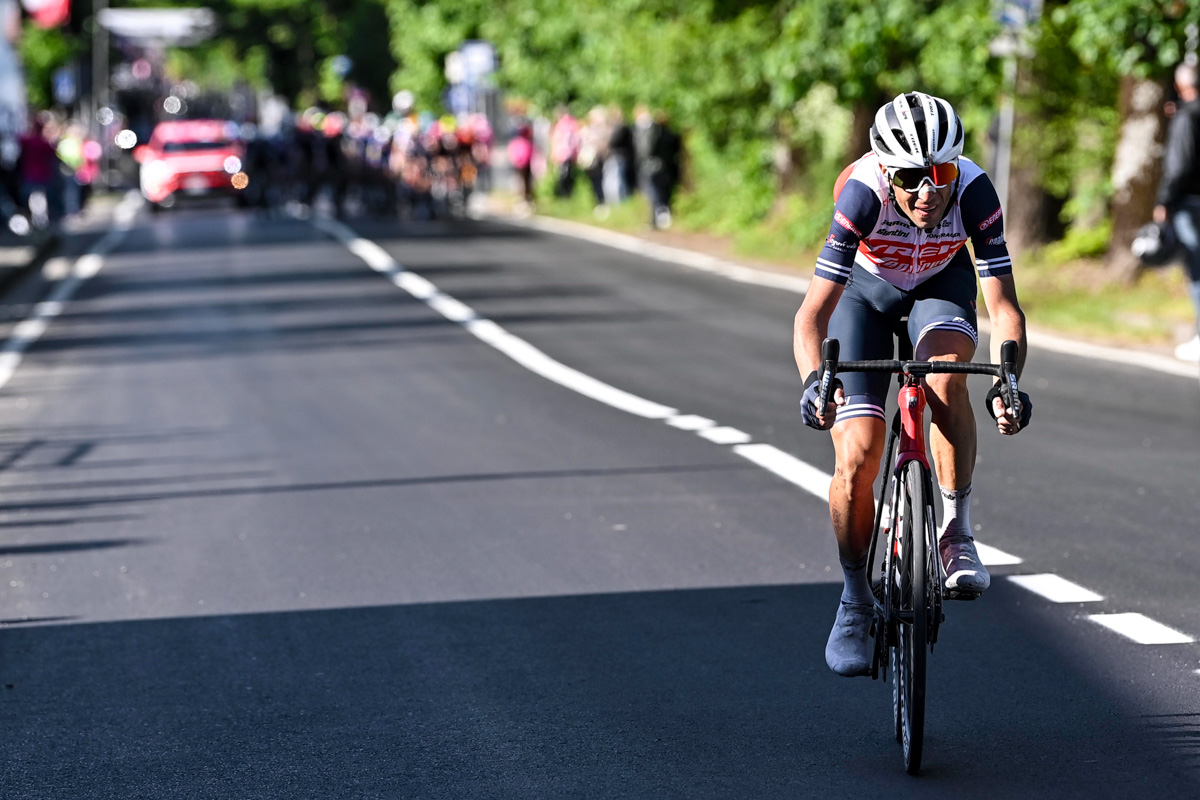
x: 659, y: 150
x: 481, y: 149
x: 40, y: 177
x: 70, y: 152
x: 520, y: 157
x: 620, y: 168
x: 564, y: 151
x: 1179, y: 190
x: 593, y: 151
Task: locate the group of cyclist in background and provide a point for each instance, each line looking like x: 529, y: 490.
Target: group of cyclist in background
x: 415, y: 166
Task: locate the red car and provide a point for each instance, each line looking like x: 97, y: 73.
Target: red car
x: 190, y: 157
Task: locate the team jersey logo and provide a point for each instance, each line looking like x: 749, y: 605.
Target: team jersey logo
x: 842, y: 220
x: 987, y: 223
x: 909, y: 258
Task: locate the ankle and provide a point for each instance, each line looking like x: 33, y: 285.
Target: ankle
x: 857, y: 587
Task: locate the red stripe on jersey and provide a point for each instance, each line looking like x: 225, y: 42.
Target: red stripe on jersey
x: 842, y: 220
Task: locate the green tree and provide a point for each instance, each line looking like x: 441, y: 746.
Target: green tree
x: 1140, y: 41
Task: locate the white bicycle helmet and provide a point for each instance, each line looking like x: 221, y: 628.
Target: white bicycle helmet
x: 916, y: 130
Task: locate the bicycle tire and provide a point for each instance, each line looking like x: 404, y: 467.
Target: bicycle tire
x: 913, y: 645
x: 897, y: 585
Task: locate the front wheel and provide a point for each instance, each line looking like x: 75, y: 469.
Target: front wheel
x: 911, y: 645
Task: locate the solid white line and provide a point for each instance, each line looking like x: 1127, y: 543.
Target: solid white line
x: 489, y: 332
x: 451, y: 309
x: 674, y: 255
x: 1055, y: 589
x: 769, y: 457
x: 799, y: 285
x: 812, y: 480
x: 788, y: 467
x: 536, y: 361
x: 1141, y: 628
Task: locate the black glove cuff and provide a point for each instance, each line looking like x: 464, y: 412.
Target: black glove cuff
x: 992, y: 394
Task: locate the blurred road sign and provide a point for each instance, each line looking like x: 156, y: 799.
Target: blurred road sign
x: 160, y: 25
x: 1018, y: 13
x: 478, y: 60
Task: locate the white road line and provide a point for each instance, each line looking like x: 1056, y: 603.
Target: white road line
x: 769, y: 457
x: 723, y: 434
x: 993, y: 557
x: 799, y: 285
x: 1141, y: 628
x: 788, y: 467
x: 690, y: 422
x: 1055, y: 589
x: 673, y: 255
x: 30, y: 329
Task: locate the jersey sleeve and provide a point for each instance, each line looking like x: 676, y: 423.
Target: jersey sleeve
x: 854, y: 216
x: 984, y: 222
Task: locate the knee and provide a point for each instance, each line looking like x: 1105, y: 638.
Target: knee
x: 857, y: 467
x: 946, y: 393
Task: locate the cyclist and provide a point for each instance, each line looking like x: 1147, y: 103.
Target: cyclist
x: 896, y: 249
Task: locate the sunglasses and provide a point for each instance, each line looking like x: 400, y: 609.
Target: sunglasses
x: 939, y: 176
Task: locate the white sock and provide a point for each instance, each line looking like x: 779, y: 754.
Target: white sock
x: 956, y: 510
x: 857, y: 589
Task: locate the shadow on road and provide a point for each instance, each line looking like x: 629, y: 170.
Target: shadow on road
x: 701, y: 693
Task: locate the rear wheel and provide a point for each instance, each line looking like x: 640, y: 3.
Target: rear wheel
x: 911, y: 647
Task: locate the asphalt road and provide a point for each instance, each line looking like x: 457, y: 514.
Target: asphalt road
x: 271, y: 526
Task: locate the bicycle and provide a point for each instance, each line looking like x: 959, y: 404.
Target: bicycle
x: 909, y: 589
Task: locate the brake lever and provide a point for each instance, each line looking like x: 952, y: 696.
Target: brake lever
x: 1008, y: 378
x: 830, y: 349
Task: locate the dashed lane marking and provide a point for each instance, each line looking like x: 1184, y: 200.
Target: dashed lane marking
x: 1141, y: 628
x: 995, y: 557
x: 723, y: 434
x: 29, y: 330
x: 1055, y: 588
x: 786, y: 466
x: 690, y: 422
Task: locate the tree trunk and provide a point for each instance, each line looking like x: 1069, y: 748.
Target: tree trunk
x: 1031, y: 213
x: 1137, y: 167
x: 863, y: 118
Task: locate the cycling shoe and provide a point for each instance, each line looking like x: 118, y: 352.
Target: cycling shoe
x: 965, y: 573
x: 848, y: 651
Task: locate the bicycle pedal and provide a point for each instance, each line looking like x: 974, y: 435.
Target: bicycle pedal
x: 955, y: 594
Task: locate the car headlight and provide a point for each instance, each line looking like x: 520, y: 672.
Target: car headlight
x: 156, y: 172
x: 233, y: 165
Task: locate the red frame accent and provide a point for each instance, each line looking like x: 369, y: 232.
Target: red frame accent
x: 912, y: 424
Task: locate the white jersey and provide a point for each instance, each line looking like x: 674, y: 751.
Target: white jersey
x: 870, y: 229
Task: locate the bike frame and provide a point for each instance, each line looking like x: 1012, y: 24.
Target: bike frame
x: 905, y: 628
x: 912, y: 423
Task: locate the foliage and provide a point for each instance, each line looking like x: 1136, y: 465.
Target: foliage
x: 42, y: 52
x: 286, y: 44
x: 1130, y: 37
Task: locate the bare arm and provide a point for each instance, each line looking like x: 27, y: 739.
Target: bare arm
x: 1008, y: 322
x: 812, y: 323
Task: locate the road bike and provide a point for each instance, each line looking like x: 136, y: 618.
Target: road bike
x: 909, y: 587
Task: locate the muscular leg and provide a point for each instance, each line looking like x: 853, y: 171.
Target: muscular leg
x: 952, y: 432
x: 953, y: 442
x: 859, y: 446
